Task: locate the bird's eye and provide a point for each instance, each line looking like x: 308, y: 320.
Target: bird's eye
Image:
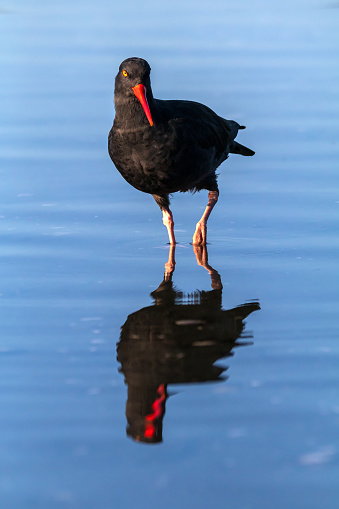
x: 125, y: 73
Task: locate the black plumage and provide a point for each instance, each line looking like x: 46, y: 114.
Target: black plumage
x: 164, y: 146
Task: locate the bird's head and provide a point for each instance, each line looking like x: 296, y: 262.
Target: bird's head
x: 133, y: 80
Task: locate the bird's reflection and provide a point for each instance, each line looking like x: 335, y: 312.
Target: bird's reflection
x: 177, y: 340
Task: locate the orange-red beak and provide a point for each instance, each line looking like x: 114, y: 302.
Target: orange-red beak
x: 140, y: 92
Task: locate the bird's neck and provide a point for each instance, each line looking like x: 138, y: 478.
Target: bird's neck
x: 130, y: 115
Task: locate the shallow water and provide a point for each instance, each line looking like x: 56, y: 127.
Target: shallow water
x: 253, y: 426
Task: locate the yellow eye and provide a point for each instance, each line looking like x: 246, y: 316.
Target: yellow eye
x: 125, y: 73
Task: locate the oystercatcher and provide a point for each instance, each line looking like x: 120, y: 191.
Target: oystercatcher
x: 164, y: 146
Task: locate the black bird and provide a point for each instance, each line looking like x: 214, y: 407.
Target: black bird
x: 161, y: 147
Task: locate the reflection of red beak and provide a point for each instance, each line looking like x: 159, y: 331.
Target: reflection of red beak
x: 140, y: 92
x: 152, y: 420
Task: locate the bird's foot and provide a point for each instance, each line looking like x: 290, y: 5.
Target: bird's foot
x: 200, y: 234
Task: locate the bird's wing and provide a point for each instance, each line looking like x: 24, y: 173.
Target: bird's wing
x: 210, y: 130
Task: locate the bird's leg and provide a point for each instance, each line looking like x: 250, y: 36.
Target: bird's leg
x: 200, y: 233
x: 202, y: 260
x: 167, y: 216
x: 167, y: 219
x: 170, y: 265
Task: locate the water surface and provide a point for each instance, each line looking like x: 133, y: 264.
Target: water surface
x: 83, y: 254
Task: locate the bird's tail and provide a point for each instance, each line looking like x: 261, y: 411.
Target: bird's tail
x: 236, y: 148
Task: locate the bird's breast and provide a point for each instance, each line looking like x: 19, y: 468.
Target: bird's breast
x: 159, y: 159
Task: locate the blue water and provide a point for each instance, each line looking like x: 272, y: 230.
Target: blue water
x: 82, y: 252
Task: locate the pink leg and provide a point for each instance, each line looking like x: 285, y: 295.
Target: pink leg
x: 167, y: 219
x: 200, y: 234
x: 170, y: 265
x: 202, y: 260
